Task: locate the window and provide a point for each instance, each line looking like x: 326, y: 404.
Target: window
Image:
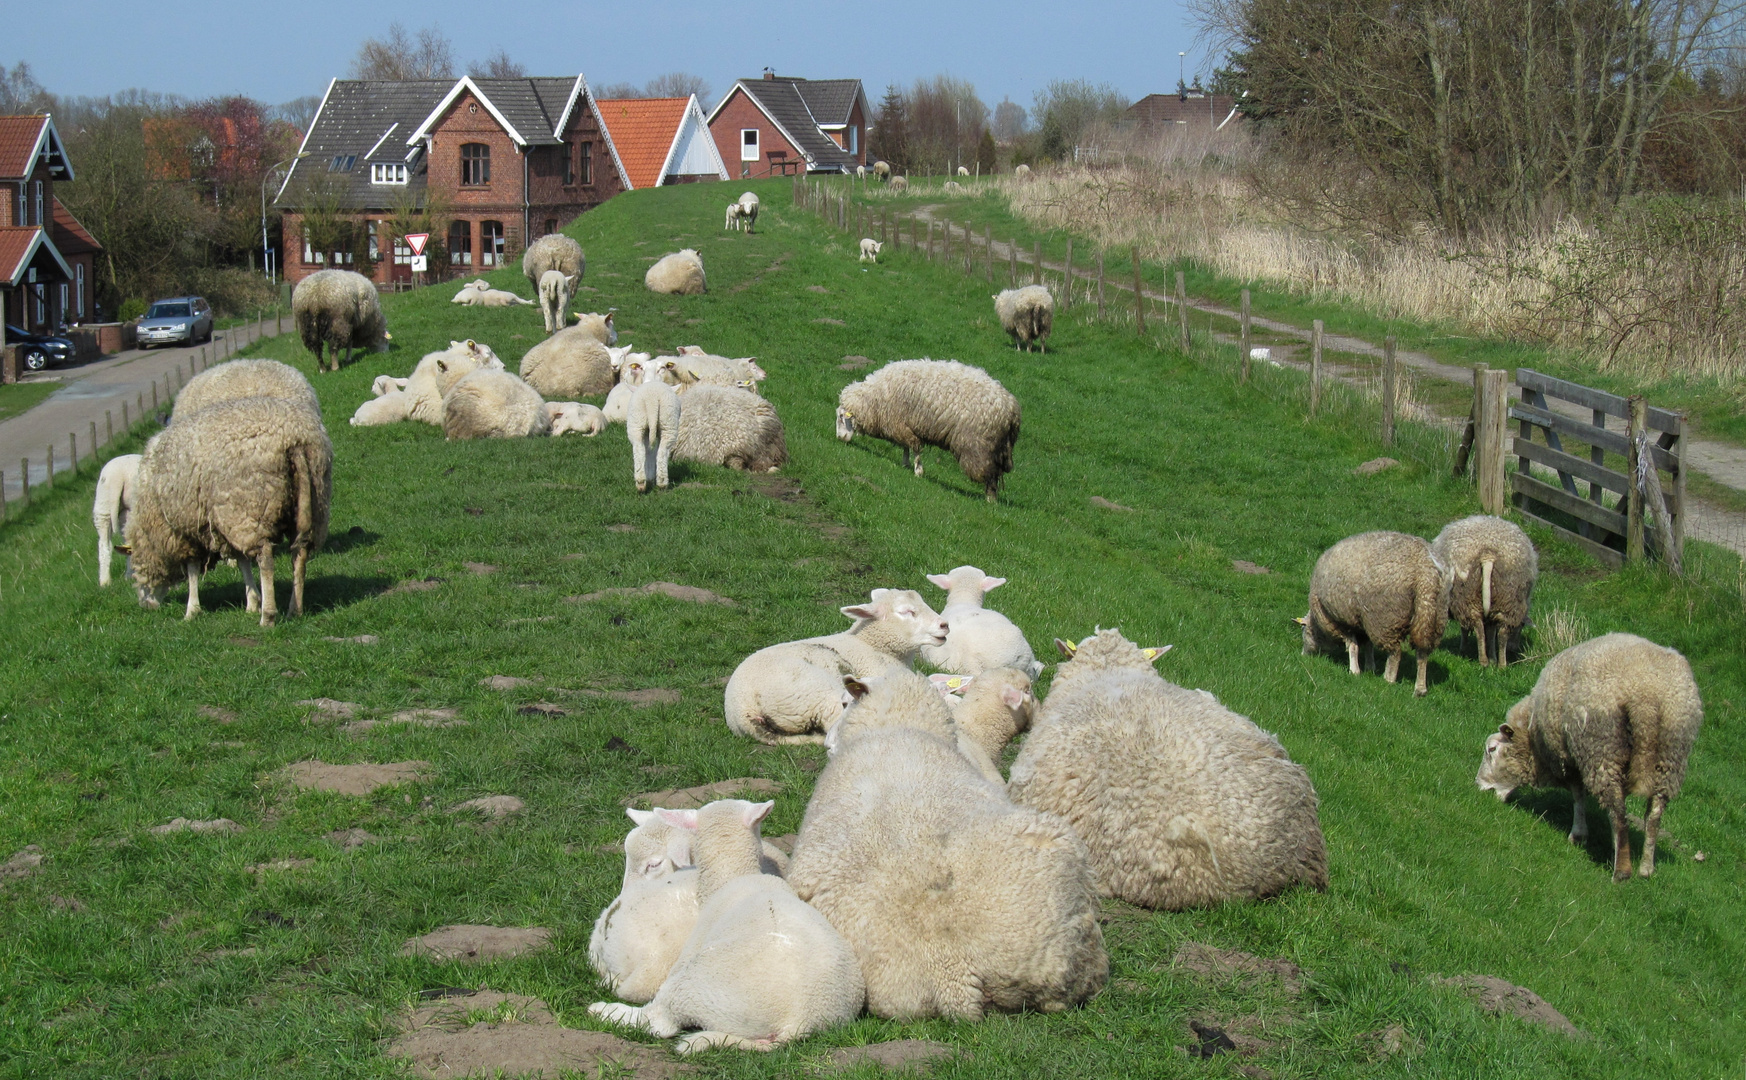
x: 375, y: 244
x: 854, y: 140
x: 402, y: 252
x: 491, y: 243
x: 79, y: 270
x: 748, y: 144
x: 388, y: 174
x: 39, y: 202
x: 586, y: 153
x: 342, y: 163
x: 475, y: 164
x: 461, y: 243
x: 569, y: 167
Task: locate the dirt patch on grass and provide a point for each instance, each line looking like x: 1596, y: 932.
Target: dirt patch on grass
x: 22, y: 864
x: 360, y: 779
x: 817, y: 289
x: 622, y: 527
x: 853, y: 362
x: 352, y: 838
x: 429, y: 718
x: 1375, y: 465
x: 222, y: 826
x: 505, y: 682
x: 654, y: 695
x: 355, y: 639
x: 760, y: 275
x: 908, y: 1055
x: 542, y: 708
x: 1494, y: 995
x: 1245, y: 969
x: 830, y: 322
x: 450, y: 1039
x: 1104, y: 504
x: 693, y: 797
x: 277, y: 864
x: 480, y: 568
x: 214, y: 713
x: 689, y: 593
x: 426, y: 585
x: 327, y: 710
x: 781, y: 488
x: 472, y: 944
x: 1244, y: 566
x: 496, y: 807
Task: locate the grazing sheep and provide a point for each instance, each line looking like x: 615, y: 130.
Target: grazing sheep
x: 553, y: 251
x: 680, y: 273
x: 900, y: 183
x: 1181, y: 802
x: 952, y: 185
x: 117, y: 488
x: 955, y: 900
x: 568, y: 416
x: 390, y: 408
x: 882, y: 170
x: 651, y: 422
x: 1495, y: 567
x: 572, y: 363
x: 917, y: 403
x: 748, y: 210
x: 599, y: 325
x: 438, y: 372
x: 555, y: 291
x: 963, y: 171
x: 728, y: 425
x: 1384, y: 587
x: 1616, y: 715
x: 979, y: 639
x: 245, y: 378
x: 870, y: 249
x: 1027, y: 314
x: 228, y: 481
x: 338, y: 309
x: 1021, y: 172
x: 715, y: 370
x: 760, y: 968
x: 488, y: 404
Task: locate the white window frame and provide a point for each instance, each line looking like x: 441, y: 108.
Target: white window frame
x: 854, y: 139
x: 753, y: 145
x: 39, y: 203
x: 64, y: 297
x: 79, y: 275
x: 388, y: 173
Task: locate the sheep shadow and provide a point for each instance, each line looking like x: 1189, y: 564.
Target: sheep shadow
x: 1459, y: 642
x: 893, y: 453
x: 1371, y: 663
x: 355, y: 537
x: 1556, y: 810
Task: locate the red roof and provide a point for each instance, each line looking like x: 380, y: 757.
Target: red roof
x: 642, y: 131
x: 71, y: 237
x: 15, y: 241
x: 18, y: 137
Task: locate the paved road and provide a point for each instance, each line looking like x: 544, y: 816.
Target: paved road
x: 89, y: 389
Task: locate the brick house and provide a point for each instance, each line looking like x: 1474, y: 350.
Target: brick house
x: 780, y: 125
x: 662, y: 141
x: 46, y: 256
x: 1193, y: 112
x: 509, y: 160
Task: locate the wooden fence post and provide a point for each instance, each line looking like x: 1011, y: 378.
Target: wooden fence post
x: 1182, y: 310
x: 1315, y: 366
x: 1389, y: 376
x: 3, y: 512
x: 154, y: 395
x: 1067, y: 277
x: 1100, y: 283
x: 1639, y: 420
x: 1493, y: 408
x: 109, y: 425
x: 1679, y: 492
x: 1464, y: 452
x: 988, y: 249
x: 1139, y: 294
x: 1012, y: 263
x: 73, y: 451
x: 51, y: 471
x: 93, y: 442
x: 1246, y: 342
x: 24, y: 476
x: 126, y: 424
x: 1037, y: 264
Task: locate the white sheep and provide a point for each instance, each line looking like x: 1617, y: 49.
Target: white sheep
x: 900, y: 183
x: 467, y: 296
x: 1027, y: 314
x: 979, y: 639
x: 882, y: 170
x: 1383, y: 587
x: 1495, y: 567
x: 389, y: 408
x: 733, y: 220
x: 900, y: 698
x: 963, y: 170
x: 917, y: 403
x: 952, y: 185
x: 338, y: 310
x: 860, y: 172
x: 732, y: 426
x: 793, y: 692
x: 245, y: 378
x: 117, y: 488
x: 489, y: 404
x: 1021, y: 172
x: 387, y: 384
x: 555, y: 290
x: 993, y: 708
x: 572, y: 363
x: 748, y: 210
x: 702, y: 367
x: 568, y: 416
x: 870, y: 249
x: 599, y: 325
x: 553, y: 251
x: 679, y: 273
x: 438, y: 372
x: 1181, y: 802
x: 760, y: 968
x: 652, y: 417
x: 471, y: 297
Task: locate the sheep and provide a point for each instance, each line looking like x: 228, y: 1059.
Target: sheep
x: 870, y: 249
x: 963, y: 170
x: 438, y: 372
x: 955, y: 900
x: 652, y: 424
x: 1495, y: 567
x: 616, y: 410
x: 979, y: 639
x: 387, y: 384
x: 488, y: 404
x: 900, y: 183
x: 567, y: 416
x: 338, y: 309
x: 792, y: 692
x: 917, y: 403
x: 471, y: 297
x: 1616, y: 715
x: 227, y: 481
x: 555, y: 291
x: 860, y: 172
x: 1385, y: 587
x: 1027, y: 314
x: 117, y: 488
x: 245, y: 378
x: 599, y: 325
x: 553, y: 251
x: 732, y: 220
x: 760, y: 968
x: 728, y: 425
x: 952, y: 185
x: 680, y: 273
x: 995, y: 707
x: 748, y: 211
x: 468, y: 296
x: 1021, y: 172
x: 882, y: 169
x: 572, y: 363
x: 1181, y: 802
x: 702, y: 367
x: 390, y: 408
x: 979, y: 725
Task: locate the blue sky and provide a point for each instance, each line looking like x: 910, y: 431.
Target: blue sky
x: 202, y: 48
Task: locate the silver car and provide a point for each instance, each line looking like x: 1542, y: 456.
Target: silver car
x: 180, y: 319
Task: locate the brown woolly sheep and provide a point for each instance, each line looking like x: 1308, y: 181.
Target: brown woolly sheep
x: 917, y: 403
x: 1384, y: 587
x: 245, y: 378
x: 570, y: 364
x: 338, y: 310
x: 1495, y: 567
x: 553, y: 251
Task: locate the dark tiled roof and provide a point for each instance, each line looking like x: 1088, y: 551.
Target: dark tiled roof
x: 354, y: 120
x: 532, y: 106
x: 1158, y: 109
x: 831, y: 100
x: 781, y: 99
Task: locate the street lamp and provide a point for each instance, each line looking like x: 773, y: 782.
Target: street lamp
x: 294, y: 157
x: 1182, y: 70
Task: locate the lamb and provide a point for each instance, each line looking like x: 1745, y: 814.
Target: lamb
x: 680, y: 273
x: 390, y: 408
x: 1386, y: 587
x: 917, y: 403
x: 227, y: 481
x: 1495, y: 567
x: 473, y: 297
x: 245, y: 378
x: 733, y: 219
x: 728, y: 425
x: 882, y: 169
x: 1027, y: 315
x: 1616, y: 715
x: 1181, y: 802
x: 1021, y: 172
x: 555, y: 290
x: 117, y: 488
x: 870, y: 249
x: 963, y: 171
x: 491, y: 404
x: 567, y: 416
x: 469, y: 294
x: 792, y: 692
x: 860, y: 172
x: 553, y: 251
x: 438, y: 372
x: 979, y: 725
x: 652, y: 424
x: 742, y: 371
x: 748, y: 210
x: 387, y: 384
x: 760, y: 968
x: 955, y: 900
x: 616, y: 410
x: 572, y: 363
x: 994, y: 708
x: 338, y: 309
x: 599, y: 325
x: 979, y: 639
x: 900, y: 183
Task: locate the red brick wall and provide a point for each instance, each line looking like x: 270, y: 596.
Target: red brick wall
x: 859, y: 123
x: 740, y: 113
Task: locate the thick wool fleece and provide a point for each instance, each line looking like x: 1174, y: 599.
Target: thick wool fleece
x: 942, y: 403
x: 680, y: 273
x: 1495, y: 567
x: 725, y: 425
x: 338, y: 310
x: 1384, y: 587
x: 494, y: 405
x: 245, y: 378
x: 553, y: 251
x: 1027, y: 314
x: 570, y: 364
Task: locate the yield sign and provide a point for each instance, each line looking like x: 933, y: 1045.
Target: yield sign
x: 416, y: 241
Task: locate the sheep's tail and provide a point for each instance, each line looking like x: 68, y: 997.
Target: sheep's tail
x: 1485, y: 588
x: 303, y: 479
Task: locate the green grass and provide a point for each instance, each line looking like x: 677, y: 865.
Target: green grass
x: 123, y: 955
x: 19, y: 398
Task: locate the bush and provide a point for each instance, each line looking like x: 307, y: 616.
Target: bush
x: 131, y: 310
x: 231, y: 291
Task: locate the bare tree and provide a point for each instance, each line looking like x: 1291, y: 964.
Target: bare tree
x: 497, y: 66
x: 20, y: 92
x: 399, y: 56
x: 944, y: 119
x: 1009, y: 120
x: 298, y: 112
x: 677, y: 84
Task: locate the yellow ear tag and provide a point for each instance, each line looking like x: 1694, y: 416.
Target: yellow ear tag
x: 1155, y: 653
x: 1301, y: 620
x: 1071, y: 648
x: 957, y: 682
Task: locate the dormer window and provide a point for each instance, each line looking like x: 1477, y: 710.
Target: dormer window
x: 475, y: 164
x: 342, y: 163
x: 387, y: 174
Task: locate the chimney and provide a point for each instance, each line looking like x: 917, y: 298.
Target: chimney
x: 770, y: 74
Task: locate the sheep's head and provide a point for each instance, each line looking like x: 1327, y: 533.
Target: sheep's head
x: 656, y: 847
x: 1105, y: 649
x: 1509, y: 761
x: 845, y: 424
x: 567, y: 416
x: 922, y: 625
x: 723, y: 813
x: 967, y: 576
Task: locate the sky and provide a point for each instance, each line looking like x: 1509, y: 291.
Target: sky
x: 277, y: 52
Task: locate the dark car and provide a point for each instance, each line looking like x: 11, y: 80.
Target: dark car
x: 37, y: 351
x: 185, y: 319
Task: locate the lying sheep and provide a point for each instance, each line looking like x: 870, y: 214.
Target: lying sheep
x: 572, y: 363
x: 728, y: 425
x: 652, y: 417
x: 568, y: 416
x: 748, y: 210
x: 898, y: 697
x: 995, y: 708
x: 882, y: 170
x: 117, y: 488
x: 680, y: 273
x: 245, y: 378
x: 488, y: 404
x: 229, y: 481
x: 338, y: 309
x: 598, y: 325
x: 555, y: 290
x: 468, y: 294
x: 553, y: 251
x: 1027, y: 315
x: 793, y: 692
x: 707, y: 368
x: 389, y: 408
x: 952, y: 185
x: 616, y: 410
x: 1386, y: 588
x: 387, y: 384
x: 760, y: 967
x: 733, y: 220
x: 900, y: 183
x: 1181, y: 802
x: 438, y: 372
x: 870, y: 249
x: 1495, y: 567
x: 472, y: 297
x: 917, y: 403
x: 1021, y: 172
x: 979, y: 639
x: 1616, y: 716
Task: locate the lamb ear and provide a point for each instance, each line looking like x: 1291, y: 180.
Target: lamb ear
x: 1156, y: 651
x: 1012, y: 697
x: 1506, y: 731
x: 684, y: 819
x: 943, y: 581
x: 856, y: 688
x: 755, y: 813
x: 1067, y: 648
x: 640, y: 817
x: 989, y: 584
x: 860, y: 611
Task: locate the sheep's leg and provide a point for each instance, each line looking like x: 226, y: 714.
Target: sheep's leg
x: 1611, y: 792
x: 298, y: 566
x: 918, y: 461
x: 269, y: 601
x: 251, y: 588
x: 1423, y: 673
x: 1503, y: 646
x: 651, y: 1017
x: 1352, y: 654
x: 640, y: 463
x: 907, y: 460
x: 711, y: 1040
x: 663, y: 452
x: 1392, y: 672
x: 105, y: 551
x: 1483, y: 630
x: 193, y: 571
x: 1651, y: 828
x: 1578, y: 814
